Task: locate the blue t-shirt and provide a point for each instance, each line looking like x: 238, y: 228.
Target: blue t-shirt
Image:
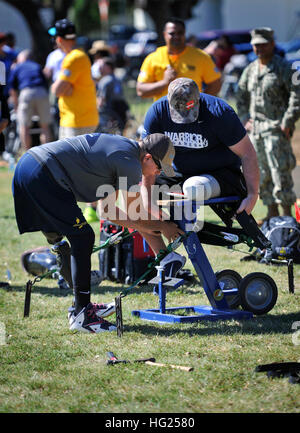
x: 202, y: 146
x: 27, y: 74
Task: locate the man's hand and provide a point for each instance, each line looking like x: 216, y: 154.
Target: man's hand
x: 249, y: 125
x: 169, y: 75
x: 248, y: 204
x: 170, y: 230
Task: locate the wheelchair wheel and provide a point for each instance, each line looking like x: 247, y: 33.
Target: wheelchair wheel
x: 229, y: 279
x: 258, y: 293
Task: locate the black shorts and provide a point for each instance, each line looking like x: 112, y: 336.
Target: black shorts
x: 41, y: 204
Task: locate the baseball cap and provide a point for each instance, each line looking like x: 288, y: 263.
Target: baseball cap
x: 183, y: 98
x: 262, y: 35
x: 64, y: 28
x: 161, y: 149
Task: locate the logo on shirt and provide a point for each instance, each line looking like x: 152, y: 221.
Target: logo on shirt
x: 79, y: 223
x: 66, y: 72
x: 187, y: 139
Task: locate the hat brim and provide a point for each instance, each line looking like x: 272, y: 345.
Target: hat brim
x: 259, y: 40
x: 167, y: 169
x: 189, y: 116
x: 96, y: 50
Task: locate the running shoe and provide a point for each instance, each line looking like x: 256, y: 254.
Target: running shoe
x: 102, y: 310
x: 88, y: 321
x: 172, y: 263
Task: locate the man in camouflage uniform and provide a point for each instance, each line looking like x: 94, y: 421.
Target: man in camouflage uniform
x: 268, y: 102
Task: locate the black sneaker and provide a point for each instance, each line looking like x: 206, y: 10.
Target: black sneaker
x: 88, y: 321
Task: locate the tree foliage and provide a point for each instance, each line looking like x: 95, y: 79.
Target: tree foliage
x: 86, y: 15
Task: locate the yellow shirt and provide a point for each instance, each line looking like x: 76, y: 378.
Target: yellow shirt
x: 191, y: 63
x: 80, y: 109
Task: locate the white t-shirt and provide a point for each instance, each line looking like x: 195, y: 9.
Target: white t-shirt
x: 54, y: 61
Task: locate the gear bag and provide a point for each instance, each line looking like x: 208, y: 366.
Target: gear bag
x: 284, y: 234
x: 126, y: 261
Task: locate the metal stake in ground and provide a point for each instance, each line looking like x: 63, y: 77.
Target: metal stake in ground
x: 119, y: 317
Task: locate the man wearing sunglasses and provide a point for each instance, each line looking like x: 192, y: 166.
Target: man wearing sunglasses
x: 50, y: 179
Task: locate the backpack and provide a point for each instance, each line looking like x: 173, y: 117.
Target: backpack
x: 284, y: 234
x: 126, y: 261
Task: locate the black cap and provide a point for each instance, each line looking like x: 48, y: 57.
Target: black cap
x: 161, y: 148
x: 64, y: 28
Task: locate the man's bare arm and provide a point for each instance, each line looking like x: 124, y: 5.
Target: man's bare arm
x: 147, y: 90
x: 214, y: 87
x: 245, y: 150
x: 62, y: 88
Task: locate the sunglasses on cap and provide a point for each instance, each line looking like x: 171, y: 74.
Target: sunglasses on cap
x: 157, y: 162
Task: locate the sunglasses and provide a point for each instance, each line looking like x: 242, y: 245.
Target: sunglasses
x: 157, y: 162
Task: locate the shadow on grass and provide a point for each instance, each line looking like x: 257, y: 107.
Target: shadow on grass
x: 102, y: 289
x: 268, y: 324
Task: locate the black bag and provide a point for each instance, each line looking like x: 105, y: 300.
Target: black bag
x: 284, y: 234
x: 126, y: 261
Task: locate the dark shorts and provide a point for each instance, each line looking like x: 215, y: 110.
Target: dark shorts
x: 231, y: 181
x: 41, y: 204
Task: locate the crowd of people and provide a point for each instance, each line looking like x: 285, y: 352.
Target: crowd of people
x: 188, y: 131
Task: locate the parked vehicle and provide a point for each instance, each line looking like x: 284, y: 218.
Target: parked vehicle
x: 137, y: 48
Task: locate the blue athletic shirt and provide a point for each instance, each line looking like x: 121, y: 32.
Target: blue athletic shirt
x: 202, y: 146
x: 27, y: 74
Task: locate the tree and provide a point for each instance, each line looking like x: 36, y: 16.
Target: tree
x: 161, y: 10
x: 30, y: 10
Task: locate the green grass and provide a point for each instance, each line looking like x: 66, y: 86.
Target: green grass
x: 47, y: 368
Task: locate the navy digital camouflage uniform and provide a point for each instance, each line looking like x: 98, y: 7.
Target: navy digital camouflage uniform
x: 271, y: 99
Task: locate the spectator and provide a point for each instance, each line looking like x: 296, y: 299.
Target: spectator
x: 51, y: 71
x: 268, y: 101
x: 8, y: 56
x: 53, y: 64
x: 4, y: 111
x: 29, y: 92
x: 74, y: 86
x: 110, y: 99
x: 221, y: 51
x: 98, y: 51
x: 112, y: 112
x: 176, y: 59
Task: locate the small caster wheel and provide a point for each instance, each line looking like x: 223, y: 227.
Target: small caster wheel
x: 258, y: 293
x: 229, y: 279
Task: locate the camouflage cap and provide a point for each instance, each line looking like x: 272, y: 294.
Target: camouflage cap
x: 262, y: 35
x: 162, y: 150
x: 183, y: 98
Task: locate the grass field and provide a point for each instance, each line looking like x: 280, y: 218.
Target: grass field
x: 47, y: 368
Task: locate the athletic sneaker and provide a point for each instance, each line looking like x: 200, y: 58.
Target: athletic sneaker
x: 172, y: 263
x: 102, y: 310
x: 88, y: 321
x: 90, y: 215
